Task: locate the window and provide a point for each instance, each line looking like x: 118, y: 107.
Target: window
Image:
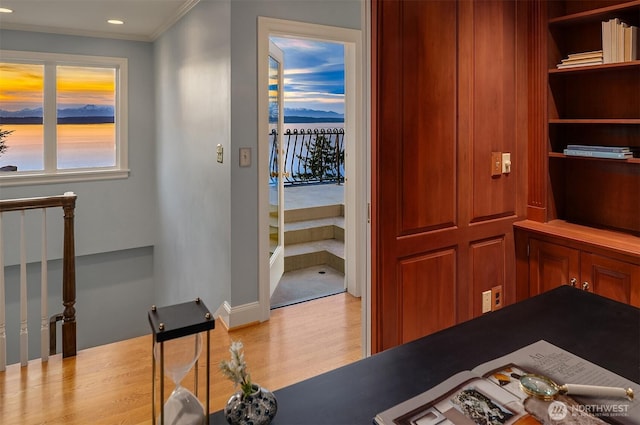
x: 64, y: 117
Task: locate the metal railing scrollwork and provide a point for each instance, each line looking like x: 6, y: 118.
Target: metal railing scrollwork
x: 309, y: 156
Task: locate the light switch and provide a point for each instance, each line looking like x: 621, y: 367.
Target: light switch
x: 219, y: 151
x: 245, y: 157
x: 506, y: 163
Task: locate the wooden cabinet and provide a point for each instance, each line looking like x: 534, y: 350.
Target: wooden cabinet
x: 449, y: 88
x: 583, y: 213
x: 562, y: 256
x: 552, y: 265
x: 610, y: 278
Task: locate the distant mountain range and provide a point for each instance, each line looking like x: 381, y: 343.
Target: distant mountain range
x: 99, y: 113
x: 83, y: 114
x: 304, y: 115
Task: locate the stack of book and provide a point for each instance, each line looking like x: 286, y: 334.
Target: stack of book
x: 610, y: 152
x: 582, y: 59
x: 619, y: 41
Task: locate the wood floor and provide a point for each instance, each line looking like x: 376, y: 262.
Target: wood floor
x: 111, y: 384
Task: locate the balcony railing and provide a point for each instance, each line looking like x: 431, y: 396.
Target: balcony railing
x: 309, y: 156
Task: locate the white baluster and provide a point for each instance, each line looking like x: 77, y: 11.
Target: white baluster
x: 24, y: 332
x: 3, y: 331
x: 44, y: 321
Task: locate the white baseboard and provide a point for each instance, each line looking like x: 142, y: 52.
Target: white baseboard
x: 238, y: 316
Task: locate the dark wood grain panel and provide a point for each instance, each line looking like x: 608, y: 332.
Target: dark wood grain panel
x: 603, y: 193
x: 610, y: 278
x: 439, y: 105
x: 488, y: 263
x: 428, y: 142
x: 551, y: 265
x: 536, y: 111
x: 428, y: 293
x: 494, y: 108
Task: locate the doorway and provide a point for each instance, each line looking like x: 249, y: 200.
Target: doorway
x: 306, y: 159
x: 355, y: 187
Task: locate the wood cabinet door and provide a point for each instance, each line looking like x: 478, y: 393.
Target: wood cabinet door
x: 610, y: 278
x: 551, y: 265
x: 449, y: 89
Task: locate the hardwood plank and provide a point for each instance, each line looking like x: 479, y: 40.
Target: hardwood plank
x: 111, y: 384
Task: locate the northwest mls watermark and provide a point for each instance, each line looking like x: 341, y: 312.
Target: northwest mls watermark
x: 558, y: 410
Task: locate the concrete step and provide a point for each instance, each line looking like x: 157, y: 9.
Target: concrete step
x: 314, y: 230
x: 313, y: 213
x: 308, y: 254
x: 313, y: 236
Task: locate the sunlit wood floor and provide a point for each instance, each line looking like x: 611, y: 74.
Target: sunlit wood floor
x: 111, y: 384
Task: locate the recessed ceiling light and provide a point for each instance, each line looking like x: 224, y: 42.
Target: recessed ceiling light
x: 115, y: 21
x: 5, y: 10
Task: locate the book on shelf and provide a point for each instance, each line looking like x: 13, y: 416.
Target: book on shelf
x: 619, y: 149
x: 619, y: 41
x: 564, y: 65
x: 491, y: 393
x: 598, y: 154
x: 596, y: 54
x: 606, y: 41
x: 582, y: 59
x: 630, y: 43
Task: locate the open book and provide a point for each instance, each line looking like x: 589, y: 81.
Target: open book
x: 490, y: 394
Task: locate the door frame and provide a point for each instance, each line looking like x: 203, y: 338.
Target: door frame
x: 276, y: 261
x: 357, y: 184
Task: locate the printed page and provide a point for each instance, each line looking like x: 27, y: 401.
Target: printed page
x: 491, y: 394
x: 563, y: 367
x: 388, y: 416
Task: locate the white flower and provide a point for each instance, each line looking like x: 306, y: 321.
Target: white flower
x: 236, y: 368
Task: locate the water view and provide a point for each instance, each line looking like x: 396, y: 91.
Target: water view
x: 79, y: 146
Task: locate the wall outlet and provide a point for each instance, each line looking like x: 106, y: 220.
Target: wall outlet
x: 497, y: 299
x: 496, y: 164
x: 486, y: 301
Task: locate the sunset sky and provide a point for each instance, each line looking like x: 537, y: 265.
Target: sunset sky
x: 314, y: 74
x: 314, y: 79
x: 21, y: 86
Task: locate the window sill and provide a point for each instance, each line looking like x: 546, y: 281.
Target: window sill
x: 10, y: 178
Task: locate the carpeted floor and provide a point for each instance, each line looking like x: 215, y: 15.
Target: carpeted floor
x: 306, y: 285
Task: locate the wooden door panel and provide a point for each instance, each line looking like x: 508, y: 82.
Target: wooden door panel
x: 493, y: 106
x: 428, y: 285
x: 441, y: 98
x: 488, y: 268
x: 428, y: 132
x: 551, y: 265
x: 611, y: 278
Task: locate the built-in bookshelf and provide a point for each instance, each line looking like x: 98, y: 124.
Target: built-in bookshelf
x: 583, y: 226
x: 593, y: 104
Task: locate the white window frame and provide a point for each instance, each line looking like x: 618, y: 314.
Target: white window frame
x: 51, y: 174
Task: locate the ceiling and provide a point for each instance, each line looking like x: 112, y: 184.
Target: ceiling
x: 144, y: 20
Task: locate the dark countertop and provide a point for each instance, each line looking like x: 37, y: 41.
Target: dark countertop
x: 597, y: 329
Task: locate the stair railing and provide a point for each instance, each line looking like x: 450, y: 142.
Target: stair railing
x: 47, y: 333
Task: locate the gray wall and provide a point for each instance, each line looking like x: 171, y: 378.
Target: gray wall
x: 192, y: 63
x: 115, y: 225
